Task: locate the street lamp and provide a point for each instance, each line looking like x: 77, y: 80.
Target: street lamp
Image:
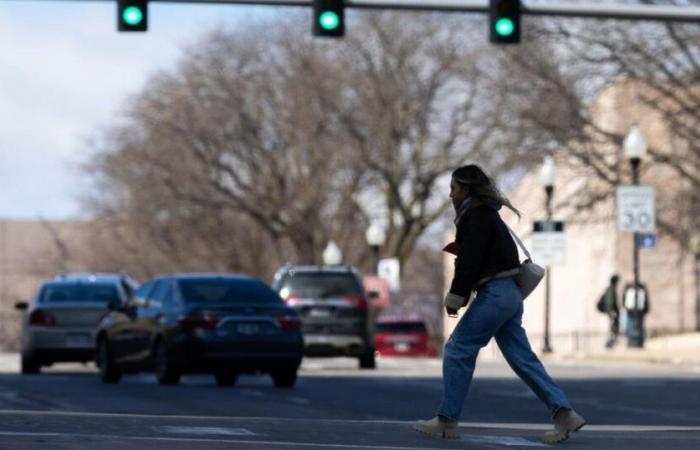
x: 332, y: 255
x: 375, y: 236
x: 635, y: 148
x: 547, y: 175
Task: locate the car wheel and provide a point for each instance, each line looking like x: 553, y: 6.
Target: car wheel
x: 226, y: 378
x: 165, y: 372
x: 30, y: 365
x: 109, y: 372
x: 368, y: 361
x: 285, y: 378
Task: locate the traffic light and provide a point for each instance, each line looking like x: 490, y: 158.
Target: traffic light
x: 504, y: 21
x: 329, y: 18
x: 132, y: 15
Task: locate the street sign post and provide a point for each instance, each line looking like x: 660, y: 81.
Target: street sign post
x: 549, y: 243
x: 636, y: 208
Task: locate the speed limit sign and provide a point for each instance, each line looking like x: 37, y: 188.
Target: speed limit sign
x: 636, y: 208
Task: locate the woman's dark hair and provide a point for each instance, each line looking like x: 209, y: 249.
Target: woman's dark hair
x: 480, y: 186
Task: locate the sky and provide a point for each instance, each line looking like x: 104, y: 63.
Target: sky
x: 65, y: 73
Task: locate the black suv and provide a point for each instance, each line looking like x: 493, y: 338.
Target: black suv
x: 337, y: 316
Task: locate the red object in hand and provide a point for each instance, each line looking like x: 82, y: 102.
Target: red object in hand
x: 451, y: 248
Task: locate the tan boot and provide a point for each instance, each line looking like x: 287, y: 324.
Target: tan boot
x: 565, y: 421
x: 438, y: 427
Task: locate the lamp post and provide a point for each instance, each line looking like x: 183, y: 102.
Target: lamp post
x: 635, y: 148
x: 375, y: 236
x: 695, y: 246
x: 547, y: 175
x: 332, y: 255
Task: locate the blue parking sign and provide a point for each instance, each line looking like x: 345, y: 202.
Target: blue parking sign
x: 647, y: 240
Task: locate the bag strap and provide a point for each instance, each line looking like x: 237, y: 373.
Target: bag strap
x: 520, y: 243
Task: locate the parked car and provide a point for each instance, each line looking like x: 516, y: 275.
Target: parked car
x: 336, y: 313
x: 59, y: 325
x: 404, y: 336
x: 221, y: 324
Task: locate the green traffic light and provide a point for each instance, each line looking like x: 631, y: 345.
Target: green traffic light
x: 132, y: 15
x: 329, y: 20
x: 504, y: 27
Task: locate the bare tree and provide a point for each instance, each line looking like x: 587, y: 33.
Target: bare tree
x: 417, y: 106
x: 280, y: 143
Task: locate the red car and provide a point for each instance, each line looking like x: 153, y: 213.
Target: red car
x: 397, y: 336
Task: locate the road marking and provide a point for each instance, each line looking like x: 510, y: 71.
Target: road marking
x: 250, y: 392
x: 299, y: 400
x: 508, y: 441
x: 256, y: 444
x: 487, y: 425
x: 174, y: 429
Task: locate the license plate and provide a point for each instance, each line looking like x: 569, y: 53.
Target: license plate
x: 77, y: 340
x: 401, y: 347
x: 320, y: 313
x: 248, y: 328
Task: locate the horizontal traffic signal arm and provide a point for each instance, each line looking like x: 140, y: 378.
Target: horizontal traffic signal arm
x: 668, y: 13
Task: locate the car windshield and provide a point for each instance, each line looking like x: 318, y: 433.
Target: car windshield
x: 223, y: 291
x: 401, y: 327
x: 79, y: 292
x: 320, y: 285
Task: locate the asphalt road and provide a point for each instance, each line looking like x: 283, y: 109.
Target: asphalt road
x: 336, y: 406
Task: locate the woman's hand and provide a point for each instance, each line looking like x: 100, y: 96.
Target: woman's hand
x: 452, y: 303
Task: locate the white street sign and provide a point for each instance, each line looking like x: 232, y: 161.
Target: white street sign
x: 390, y: 270
x: 636, y: 208
x: 549, y: 248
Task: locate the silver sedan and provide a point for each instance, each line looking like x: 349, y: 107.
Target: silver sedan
x: 59, y: 325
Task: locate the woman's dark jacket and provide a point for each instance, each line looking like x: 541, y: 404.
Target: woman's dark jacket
x: 484, y: 245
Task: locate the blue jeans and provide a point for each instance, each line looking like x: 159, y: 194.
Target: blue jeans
x: 496, y: 312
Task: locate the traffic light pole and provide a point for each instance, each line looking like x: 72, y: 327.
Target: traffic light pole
x: 665, y: 13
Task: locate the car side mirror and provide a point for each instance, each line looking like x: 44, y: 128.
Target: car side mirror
x: 21, y: 306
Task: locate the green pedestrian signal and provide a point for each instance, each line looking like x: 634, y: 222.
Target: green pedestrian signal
x: 329, y: 18
x: 132, y: 15
x: 504, y: 21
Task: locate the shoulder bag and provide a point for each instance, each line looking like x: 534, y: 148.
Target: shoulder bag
x: 530, y: 273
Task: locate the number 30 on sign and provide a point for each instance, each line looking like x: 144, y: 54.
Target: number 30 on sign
x: 636, y: 208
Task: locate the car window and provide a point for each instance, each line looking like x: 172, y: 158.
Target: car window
x: 401, y: 327
x: 156, y: 297
x: 140, y: 296
x: 227, y: 291
x: 320, y: 285
x: 79, y: 292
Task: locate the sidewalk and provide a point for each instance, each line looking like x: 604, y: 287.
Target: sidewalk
x: 680, y: 350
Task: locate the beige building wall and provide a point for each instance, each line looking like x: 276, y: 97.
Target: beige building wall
x: 596, y: 249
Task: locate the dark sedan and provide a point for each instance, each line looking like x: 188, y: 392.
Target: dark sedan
x: 201, y: 323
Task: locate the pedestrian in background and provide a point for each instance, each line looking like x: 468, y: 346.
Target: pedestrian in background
x: 608, y: 305
x: 486, y: 252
